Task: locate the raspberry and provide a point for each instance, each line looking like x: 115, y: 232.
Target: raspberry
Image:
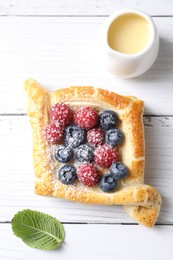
x: 86, y: 117
x: 95, y: 136
x: 105, y: 155
x: 61, y: 113
x: 88, y: 174
x: 53, y: 133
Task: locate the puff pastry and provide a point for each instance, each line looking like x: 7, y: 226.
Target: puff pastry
x: 142, y: 202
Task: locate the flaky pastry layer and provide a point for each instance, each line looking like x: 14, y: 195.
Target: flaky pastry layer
x: 142, y: 202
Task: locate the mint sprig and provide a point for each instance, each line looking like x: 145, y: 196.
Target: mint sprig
x: 38, y: 230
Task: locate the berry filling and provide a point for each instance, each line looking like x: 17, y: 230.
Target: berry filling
x: 118, y: 170
x: 108, y: 119
x: 107, y: 183
x: 105, y: 155
x: 86, y: 117
x: 95, y: 136
x: 61, y: 113
x: 91, y: 148
x: 84, y: 153
x: 63, y: 154
x: 67, y: 174
x: 88, y: 174
x: 114, y: 137
x: 74, y: 136
x: 54, y: 132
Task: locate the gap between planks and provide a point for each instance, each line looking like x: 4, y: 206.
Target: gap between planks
x: 69, y: 15
x: 23, y: 114
x: 95, y: 223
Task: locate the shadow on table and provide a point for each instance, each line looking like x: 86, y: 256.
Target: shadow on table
x: 163, y: 65
x: 157, y: 173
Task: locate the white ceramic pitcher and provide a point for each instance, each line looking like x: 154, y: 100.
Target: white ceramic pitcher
x: 127, y: 65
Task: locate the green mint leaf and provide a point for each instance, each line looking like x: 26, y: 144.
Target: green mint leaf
x: 38, y: 230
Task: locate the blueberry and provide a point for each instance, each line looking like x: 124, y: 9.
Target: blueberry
x: 114, y: 137
x: 74, y: 136
x: 107, y: 183
x: 84, y: 153
x: 67, y: 174
x: 108, y: 119
x: 63, y: 154
x: 118, y: 170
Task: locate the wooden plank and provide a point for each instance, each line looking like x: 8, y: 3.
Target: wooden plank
x: 90, y: 7
x: 16, y: 185
x: 57, y: 52
x: 96, y: 242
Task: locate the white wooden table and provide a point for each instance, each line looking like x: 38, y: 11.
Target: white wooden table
x: 50, y: 41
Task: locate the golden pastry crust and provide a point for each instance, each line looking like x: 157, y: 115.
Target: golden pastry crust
x: 141, y: 201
